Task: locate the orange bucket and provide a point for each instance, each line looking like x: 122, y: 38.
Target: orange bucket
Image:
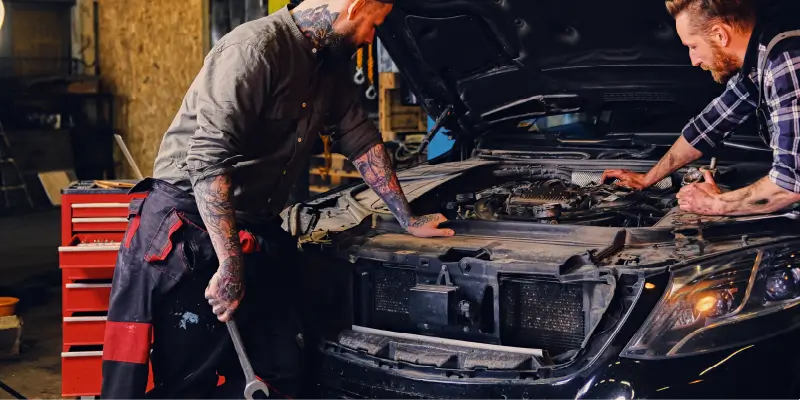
x: 7, y: 306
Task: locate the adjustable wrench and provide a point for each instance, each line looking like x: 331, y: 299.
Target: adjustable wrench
x: 252, y: 384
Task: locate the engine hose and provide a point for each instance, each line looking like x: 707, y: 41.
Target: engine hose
x: 535, y: 172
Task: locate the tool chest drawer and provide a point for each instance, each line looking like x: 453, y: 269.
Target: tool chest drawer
x: 81, y: 372
x: 84, y: 330
x: 100, y: 210
x: 104, y: 224
x: 86, y: 296
x: 90, y: 256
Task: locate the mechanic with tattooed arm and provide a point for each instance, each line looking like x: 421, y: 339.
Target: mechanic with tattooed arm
x: 206, y: 240
x: 740, y: 45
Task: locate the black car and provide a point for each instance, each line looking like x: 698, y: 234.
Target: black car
x: 556, y: 285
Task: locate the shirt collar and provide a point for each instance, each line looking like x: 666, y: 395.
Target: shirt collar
x: 291, y: 24
x: 750, y: 63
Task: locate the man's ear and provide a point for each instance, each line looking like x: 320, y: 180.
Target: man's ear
x: 355, y: 7
x: 721, y: 35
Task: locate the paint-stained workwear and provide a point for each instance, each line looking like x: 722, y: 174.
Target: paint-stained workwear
x: 164, y: 264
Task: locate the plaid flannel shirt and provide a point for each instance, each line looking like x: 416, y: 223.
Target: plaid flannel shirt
x: 739, y: 102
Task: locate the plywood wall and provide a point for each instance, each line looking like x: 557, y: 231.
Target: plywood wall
x: 150, y: 51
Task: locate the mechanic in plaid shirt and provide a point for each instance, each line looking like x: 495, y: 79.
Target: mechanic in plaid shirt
x: 727, y: 38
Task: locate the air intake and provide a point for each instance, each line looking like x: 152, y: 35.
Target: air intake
x: 542, y: 313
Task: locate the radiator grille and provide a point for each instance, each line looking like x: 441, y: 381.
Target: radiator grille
x: 392, y: 289
x: 542, y: 314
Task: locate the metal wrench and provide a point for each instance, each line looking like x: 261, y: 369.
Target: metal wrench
x: 252, y: 384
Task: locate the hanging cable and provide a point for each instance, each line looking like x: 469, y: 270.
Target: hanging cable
x: 358, y: 78
x: 371, y: 92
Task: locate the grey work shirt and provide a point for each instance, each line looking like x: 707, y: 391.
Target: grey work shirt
x: 260, y: 101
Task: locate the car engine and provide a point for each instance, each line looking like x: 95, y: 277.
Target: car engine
x: 557, y: 201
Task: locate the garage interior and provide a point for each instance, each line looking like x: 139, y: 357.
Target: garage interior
x: 77, y: 73
x: 560, y: 281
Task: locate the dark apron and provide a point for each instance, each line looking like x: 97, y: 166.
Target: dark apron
x: 164, y: 264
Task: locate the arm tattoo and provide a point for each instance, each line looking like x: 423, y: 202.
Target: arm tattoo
x: 214, y: 200
x: 317, y: 24
x: 759, y: 198
x: 377, y: 170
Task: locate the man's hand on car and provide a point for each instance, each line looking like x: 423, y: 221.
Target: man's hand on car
x: 627, y: 178
x: 701, y: 197
x: 428, y: 226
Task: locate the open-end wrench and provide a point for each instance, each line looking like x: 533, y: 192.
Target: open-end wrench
x: 252, y: 384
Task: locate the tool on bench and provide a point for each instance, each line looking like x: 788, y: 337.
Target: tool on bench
x: 252, y: 384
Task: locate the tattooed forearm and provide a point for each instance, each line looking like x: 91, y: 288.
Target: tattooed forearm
x: 214, y: 201
x: 759, y: 198
x: 316, y: 23
x: 377, y: 170
x: 680, y: 154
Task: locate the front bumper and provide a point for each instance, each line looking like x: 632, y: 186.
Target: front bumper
x: 768, y: 369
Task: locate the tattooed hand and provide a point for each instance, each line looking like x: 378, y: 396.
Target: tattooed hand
x: 214, y: 201
x: 226, y: 289
x: 428, y: 226
x: 377, y: 170
x: 627, y: 178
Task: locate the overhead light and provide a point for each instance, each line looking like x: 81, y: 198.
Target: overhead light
x: 2, y: 13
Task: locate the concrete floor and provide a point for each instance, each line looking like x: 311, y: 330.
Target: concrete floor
x: 29, y: 271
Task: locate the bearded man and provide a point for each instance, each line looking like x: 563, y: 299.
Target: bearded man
x: 208, y: 227
x: 757, y: 54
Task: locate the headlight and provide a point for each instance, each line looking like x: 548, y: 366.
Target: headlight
x: 723, y: 302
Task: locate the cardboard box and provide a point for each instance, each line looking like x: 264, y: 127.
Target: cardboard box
x: 10, y: 335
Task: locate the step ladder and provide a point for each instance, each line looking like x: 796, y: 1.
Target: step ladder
x: 11, y: 179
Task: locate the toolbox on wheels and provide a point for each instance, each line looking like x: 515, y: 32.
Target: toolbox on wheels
x: 93, y: 222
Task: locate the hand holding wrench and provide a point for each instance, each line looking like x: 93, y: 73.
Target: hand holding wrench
x: 252, y: 384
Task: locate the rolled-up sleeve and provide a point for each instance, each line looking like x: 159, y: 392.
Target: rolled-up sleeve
x: 231, y: 88
x: 354, y: 132
x: 719, y: 119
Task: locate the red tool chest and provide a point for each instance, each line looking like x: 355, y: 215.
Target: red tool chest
x: 93, y: 221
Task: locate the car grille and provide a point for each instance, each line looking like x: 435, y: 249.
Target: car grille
x: 542, y: 313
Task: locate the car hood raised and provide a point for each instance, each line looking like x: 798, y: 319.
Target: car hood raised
x: 498, y: 61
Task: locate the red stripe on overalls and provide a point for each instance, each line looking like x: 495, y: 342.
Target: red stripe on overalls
x: 132, y: 228
x: 168, y: 245
x: 127, y: 342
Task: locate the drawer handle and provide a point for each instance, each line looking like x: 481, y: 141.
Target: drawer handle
x: 85, y: 319
x: 98, y: 220
x: 100, y: 205
x: 87, y: 285
x: 76, y: 249
x: 68, y: 354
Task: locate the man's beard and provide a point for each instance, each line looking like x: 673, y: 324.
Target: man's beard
x: 340, y: 47
x: 725, y: 66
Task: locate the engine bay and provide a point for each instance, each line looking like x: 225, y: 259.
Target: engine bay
x: 553, y: 198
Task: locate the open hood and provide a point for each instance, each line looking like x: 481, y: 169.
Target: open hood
x: 500, y: 61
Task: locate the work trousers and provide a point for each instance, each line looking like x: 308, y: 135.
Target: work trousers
x: 158, y: 313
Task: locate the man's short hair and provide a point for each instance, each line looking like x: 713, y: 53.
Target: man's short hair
x: 740, y: 14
